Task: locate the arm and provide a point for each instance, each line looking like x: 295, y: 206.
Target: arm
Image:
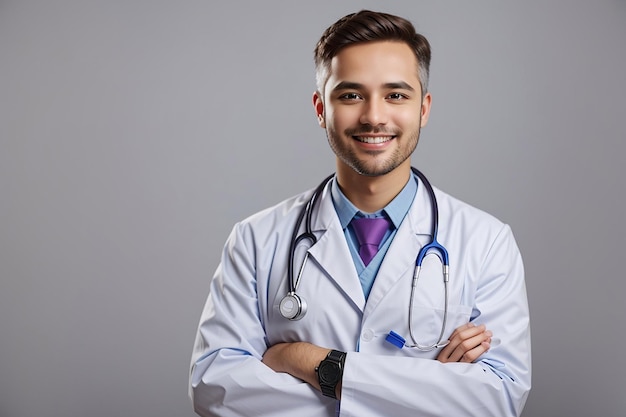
x: 300, y: 359
x: 227, y: 375
x: 495, y: 385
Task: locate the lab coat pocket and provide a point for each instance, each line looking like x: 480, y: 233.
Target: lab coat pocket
x: 428, y: 322
x: 429, y: 301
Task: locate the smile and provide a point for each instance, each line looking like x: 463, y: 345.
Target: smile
x: 373, y: 139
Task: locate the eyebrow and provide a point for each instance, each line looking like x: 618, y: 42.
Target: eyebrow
x: 348, y: 85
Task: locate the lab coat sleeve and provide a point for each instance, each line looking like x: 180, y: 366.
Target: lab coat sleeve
x: 227, y: 375
x: 496, y: 385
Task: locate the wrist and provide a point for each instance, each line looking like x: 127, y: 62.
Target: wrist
x: 330, y: 373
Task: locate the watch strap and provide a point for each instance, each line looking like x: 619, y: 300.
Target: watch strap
x: 329, y: 390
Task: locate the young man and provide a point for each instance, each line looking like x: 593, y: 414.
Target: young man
x: 273, y: 342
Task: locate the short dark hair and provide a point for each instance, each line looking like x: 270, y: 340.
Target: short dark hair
x: 369, y: 26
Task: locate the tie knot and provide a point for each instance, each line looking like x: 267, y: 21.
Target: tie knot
x: 370, y: 231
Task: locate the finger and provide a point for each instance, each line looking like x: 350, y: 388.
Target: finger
x: 473, y: 354
x: 467, y: 331
x: 461, y: 328
x: 457, y: 337
x: 466, y: 346
x: 465, y: 342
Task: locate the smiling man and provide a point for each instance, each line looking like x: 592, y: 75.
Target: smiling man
x: 318, y: 308
x: 373, y: 115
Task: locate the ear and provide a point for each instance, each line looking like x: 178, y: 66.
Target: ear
x: 425, y: 110
x: 318, y: 105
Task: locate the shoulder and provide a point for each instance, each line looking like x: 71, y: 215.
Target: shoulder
x: 471, y: 223
x: 461, y: 210
x: 273, y: 220
x: 477, y: 237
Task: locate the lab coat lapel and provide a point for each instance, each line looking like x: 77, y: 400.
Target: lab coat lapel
x: 331, y: 251
x: 414, y: 232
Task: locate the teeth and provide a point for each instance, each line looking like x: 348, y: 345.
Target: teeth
x: 370, y: 139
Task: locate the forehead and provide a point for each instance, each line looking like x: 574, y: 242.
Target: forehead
x: 375, y: 63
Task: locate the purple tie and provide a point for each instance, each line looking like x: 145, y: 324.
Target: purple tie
x: 369, y: 232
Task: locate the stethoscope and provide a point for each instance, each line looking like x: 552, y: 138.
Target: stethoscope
x: 294, y: 307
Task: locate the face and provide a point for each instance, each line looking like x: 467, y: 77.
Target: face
x: 372, y: 108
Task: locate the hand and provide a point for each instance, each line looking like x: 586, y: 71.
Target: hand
x: 467, y: 343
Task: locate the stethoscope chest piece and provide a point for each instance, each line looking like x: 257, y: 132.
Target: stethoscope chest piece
x: 292, y: 307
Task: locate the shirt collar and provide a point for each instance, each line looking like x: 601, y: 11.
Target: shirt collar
x: 395, y: 210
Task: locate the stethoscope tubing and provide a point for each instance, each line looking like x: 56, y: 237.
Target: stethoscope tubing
x: 433, y: 247
x: 307, y: 211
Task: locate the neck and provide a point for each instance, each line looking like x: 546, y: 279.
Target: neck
x: 370, y: 194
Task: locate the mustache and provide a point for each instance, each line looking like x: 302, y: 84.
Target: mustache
x: 366, y: 129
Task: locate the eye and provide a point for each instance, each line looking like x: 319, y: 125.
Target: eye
x: 396, y: 96
x: 350, y: 96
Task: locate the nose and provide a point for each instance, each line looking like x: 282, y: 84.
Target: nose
x: 374, y: 113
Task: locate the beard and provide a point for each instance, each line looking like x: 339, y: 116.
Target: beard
x: 374, y: 163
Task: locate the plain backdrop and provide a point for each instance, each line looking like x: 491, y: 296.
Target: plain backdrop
x: 134, y: 134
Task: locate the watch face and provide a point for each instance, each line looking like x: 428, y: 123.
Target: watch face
x: 328, y: 373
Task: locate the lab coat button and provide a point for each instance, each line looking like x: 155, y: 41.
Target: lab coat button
x: 367, y: 335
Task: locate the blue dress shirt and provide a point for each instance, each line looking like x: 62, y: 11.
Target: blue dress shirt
x: 395, y: 211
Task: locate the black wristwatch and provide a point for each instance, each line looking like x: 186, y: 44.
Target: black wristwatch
x: 330, y: 371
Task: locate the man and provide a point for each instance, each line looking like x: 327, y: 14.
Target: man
x: 319, y: 344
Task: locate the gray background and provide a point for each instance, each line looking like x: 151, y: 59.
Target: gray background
x: 133, y: 134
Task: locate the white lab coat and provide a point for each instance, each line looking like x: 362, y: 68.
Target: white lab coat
x: 241, y: 318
